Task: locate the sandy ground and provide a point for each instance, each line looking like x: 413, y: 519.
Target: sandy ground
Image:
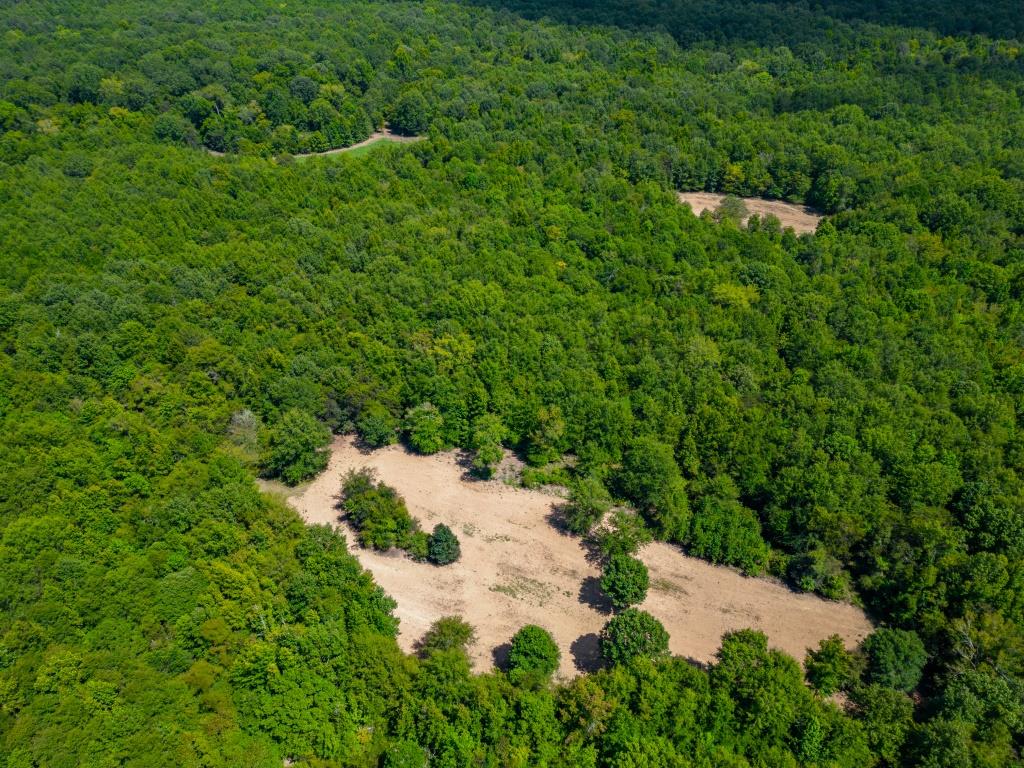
x: 799, y: 217
x: 517, y: 568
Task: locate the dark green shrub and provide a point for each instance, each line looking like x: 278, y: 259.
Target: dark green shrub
x: 444, y: 545
x: 895, y: 658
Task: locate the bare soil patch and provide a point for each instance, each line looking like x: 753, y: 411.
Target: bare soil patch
x: 517, y: 568
x: 801, y: 218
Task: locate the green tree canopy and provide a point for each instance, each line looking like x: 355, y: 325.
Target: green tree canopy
x: 296, y: 447
x: 633, y: 634
x: 650, y: 478
x: 895, y: 658
x: 533, y: 652
x: 625, y: 580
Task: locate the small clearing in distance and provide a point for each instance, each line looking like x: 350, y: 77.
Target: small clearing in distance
x: 517, y: 568
x: 801, y: 218
x: 385, y: 134
x: 374, y: 138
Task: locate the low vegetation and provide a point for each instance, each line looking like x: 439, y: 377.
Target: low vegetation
x: 382, y: 520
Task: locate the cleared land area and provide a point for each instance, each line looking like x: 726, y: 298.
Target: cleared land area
x: 799, y: 217
x: 360, y: 147
x: 517, y: 568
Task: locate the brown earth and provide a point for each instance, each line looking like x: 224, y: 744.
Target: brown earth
x: 801, y: 218
x: 517, y: 568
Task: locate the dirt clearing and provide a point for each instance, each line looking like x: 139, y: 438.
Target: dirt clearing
x: 517, y: 568
x: 801, y: 218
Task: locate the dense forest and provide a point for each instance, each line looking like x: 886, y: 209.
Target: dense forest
x: 841, y: 410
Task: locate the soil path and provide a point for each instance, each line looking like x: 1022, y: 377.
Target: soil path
x: 517, y: 568
x: 801, y: 218
x: 383, y: 135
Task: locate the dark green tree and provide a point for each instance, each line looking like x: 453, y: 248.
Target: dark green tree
x: 411, y: 114
x: 895, y: 658
x: 444, y: 545
x: 376, y: 426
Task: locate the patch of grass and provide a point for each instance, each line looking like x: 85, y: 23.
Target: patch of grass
x: 665, y: 585
x: 525, y: 588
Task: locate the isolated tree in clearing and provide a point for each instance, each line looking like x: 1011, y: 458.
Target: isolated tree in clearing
x: 533, y: 651
x: 444, y: 545
x: 625, y: 580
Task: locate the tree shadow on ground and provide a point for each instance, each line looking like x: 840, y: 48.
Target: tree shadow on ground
x: 470, y: 474
x: 364, y: 447
x: 586, y: 652
x: 592, y: 595
x: 500, y: 656
x: 556, y: 519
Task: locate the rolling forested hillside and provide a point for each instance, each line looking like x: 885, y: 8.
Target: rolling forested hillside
x: 840, y: 410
